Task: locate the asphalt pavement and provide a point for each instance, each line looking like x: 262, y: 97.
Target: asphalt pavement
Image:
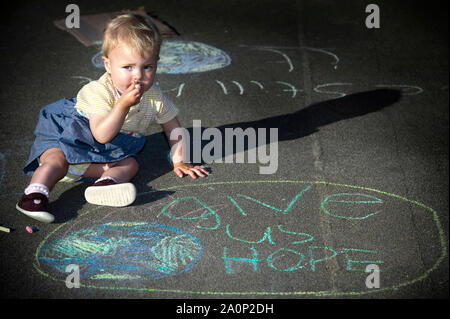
x: 354, y: 172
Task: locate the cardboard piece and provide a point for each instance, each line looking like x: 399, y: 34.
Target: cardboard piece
x: 91, y: 27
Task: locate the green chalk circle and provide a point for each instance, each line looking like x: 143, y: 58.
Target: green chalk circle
x: 250, y: 231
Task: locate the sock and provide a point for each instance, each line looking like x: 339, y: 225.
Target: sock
x: 37, y: 188
x: 106, y: 177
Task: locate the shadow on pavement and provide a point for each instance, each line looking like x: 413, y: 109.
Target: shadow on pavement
x: 305, y: 121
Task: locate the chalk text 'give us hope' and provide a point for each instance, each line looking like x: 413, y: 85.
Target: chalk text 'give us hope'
x: 298, y: 251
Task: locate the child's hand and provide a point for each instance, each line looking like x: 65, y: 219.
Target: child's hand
x: 132, y: 95
x: 182, y: 169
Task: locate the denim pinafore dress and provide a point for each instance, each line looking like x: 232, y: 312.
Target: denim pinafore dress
x: 60, y: 125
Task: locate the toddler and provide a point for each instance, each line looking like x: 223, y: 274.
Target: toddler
x: 100, y: 133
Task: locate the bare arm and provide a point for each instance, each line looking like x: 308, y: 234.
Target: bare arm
x: 180, y: 168
x: 105, y: 128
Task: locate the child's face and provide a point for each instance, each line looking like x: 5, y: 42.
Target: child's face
x: 127, y: 66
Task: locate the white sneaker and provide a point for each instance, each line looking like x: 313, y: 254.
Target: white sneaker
x: 110, y: 193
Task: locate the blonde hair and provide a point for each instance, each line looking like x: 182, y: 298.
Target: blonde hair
x: 134, y: 31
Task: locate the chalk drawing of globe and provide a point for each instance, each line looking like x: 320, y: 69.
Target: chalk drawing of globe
x: 183, y: 57
x: 124, y: 251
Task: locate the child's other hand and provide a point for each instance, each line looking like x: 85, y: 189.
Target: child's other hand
x: 182, y: 169
x: 132, y: 95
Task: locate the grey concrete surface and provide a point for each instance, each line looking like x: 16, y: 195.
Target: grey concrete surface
x: 362, y: 119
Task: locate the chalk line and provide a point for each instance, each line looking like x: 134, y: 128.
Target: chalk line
x: 258, y: 84
x: 293, y: 89
x: 407, y: 87
x: 241, y: 89
x: 288, y: 60
x: 84, y: 79
x: 316, y: 89
x: 180, y: 89
x: 274, y: 49
x: 223, y: 87
x: 335, y: 57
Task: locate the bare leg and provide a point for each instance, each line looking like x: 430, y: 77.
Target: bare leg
x: 118, y: 194
x: 53, y: 168
x: 34, y: 203
x: 122, y: 171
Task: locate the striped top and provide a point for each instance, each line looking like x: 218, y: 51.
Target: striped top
x: 99, y: 97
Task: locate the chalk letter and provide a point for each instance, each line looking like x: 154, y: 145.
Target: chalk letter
x: 350, y: 262
x: 266, y: 234
x: 165, y: 211
x: 319, y: 89
x: 291, y: 204
x: 73, y: 280
x: 314, y: 261
x: 310, y: 237
x: 373, y: 19
x: 73, y: 19
x: 227, y: 259
x: 282, y: 253
x: 349, y: 205
x: 373, y: 280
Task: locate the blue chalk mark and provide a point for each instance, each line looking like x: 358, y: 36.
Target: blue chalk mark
x: 313, y: 261
x: 291, y: 204
x: 311, y: 238
x: 237, y: 206
x: 184, y: 57
x: 118, y: 252
x: 216, y: 226
x: 253, y: 261
x: 350, y: 261
x: 271, y: 259
x: 266, y: 235
x: 185, y: 217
